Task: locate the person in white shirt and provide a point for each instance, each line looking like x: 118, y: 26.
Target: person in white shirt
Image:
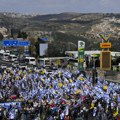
x: 62, y: 116
x: 11, y: 116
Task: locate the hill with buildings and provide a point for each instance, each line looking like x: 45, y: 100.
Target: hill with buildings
x: 65, y: 28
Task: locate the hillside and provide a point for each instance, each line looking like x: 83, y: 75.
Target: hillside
x: 67, y: 27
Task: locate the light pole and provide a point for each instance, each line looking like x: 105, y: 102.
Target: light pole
x: 94, y: 60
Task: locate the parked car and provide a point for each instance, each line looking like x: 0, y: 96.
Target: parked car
x: 3, y: 66
x: 22, y: 65
x: 15, y: 64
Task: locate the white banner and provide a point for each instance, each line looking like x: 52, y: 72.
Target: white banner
x: 43, y: 47
x: 81, y: 44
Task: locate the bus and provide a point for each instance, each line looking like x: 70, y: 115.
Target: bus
x: 44, y: 61
x: 54, y: 61
x: 30, y: 60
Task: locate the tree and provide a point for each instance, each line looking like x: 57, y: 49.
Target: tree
x: 56, y: 49
x: 32, y: 47
x: 1, y: 36
x: 33, y: 50
x: 22, y: 35
x: 37, y: 48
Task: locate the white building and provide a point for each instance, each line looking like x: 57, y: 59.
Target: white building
x: 74, y: 54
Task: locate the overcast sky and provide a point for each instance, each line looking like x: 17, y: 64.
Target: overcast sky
x: 59, y: 6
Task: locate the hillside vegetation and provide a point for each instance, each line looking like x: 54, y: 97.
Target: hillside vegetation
x: 66, y: 28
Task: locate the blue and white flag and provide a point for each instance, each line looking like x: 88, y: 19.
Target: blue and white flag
x: 67, y: 74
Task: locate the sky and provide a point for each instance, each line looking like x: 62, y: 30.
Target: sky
x: 59, y: 6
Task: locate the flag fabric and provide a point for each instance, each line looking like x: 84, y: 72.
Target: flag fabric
x: 67, y: 74
x: 116, y: 113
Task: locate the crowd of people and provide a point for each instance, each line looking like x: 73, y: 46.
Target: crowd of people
x: 58, y: 95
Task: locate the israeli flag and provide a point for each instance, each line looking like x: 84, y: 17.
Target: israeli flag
x: 67, y: 74
x: 67, y: 110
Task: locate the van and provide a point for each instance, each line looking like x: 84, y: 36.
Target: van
x: 13, y: 57
x: 30, y: 60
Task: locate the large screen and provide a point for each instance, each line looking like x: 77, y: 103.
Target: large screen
x: 43, y: 49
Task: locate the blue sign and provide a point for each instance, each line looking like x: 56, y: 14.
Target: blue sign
x: 9, y: 43
x: 7, y: 104
x: 43, y: 39
x: 24, y: 43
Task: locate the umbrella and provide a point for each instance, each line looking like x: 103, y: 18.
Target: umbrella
x: 78, y: 91
x: 71, y: 81
x: 60, y: 84
x: 63, y: 101
x: 81, y: 78
x: 105, y: 87
x: 13, y: 96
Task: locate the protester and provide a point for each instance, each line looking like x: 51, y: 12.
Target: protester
x: 60, y: 95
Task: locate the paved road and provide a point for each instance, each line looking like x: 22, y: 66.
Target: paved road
x: 113, y: 75
x: 108, y: 75
x: 8, y: 63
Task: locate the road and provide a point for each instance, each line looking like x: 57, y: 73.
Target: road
x: 114, y: 76
x: 7, y: 63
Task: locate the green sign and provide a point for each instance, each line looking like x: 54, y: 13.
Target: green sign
x: 81, y: 47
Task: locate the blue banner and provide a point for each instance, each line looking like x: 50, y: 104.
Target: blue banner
x: 7, y: 104
x: 9, y: 43
x: 24, y: 43
x: 43, y: 39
